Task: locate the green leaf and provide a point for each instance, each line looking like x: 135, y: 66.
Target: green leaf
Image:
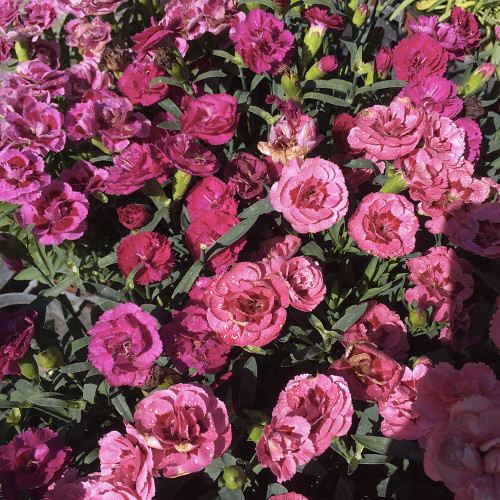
x: 373, y: 292
x: 327, y: 98
x: 186, y: 283
x: 28, y: 274
x: 4, y: 403
x: 78, y: 344
x: 120, y: 403
x: 267, y: 3
x: 388, y: 84
x: 129, y: 284
x: 258, y: 208
x: 227, y: 494
x: 92, y: 381
x: 275, y: 489
x: 361, y: 163
x: 170, y: 125
x: 60, y: 287
x: 51, y: 402
x: 350, y: 318
x: 256, y: 350
x: 216, y: 73
x: 312, y: 249
x: 225, y: 55
x: 170, y: 106
x: 333, y: 84
x: 410, y: 450
x: 248, y: 384
x: 165, y: 79
x: 76, y: 367
x: 107, y: 261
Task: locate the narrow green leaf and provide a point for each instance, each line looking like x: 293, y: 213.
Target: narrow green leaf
x: 216, y: 73
x: 258, y: 208
x: 165, y: 79
x: 170, y: 125
x: 350, y: 318
x: 275, y: 489
x: 388, y: 84
x: 361, y: 163
x: 60, y: 287
x: 129, y: 284
x: 334, y: 84
x: 248, y: 384
x: 50, y: 402
x: 186, y: 283
x: 227, y: 494
x: 120, y: 403
x: 4, y: 403
x: 410, y: 450
x: 78, y: 344
x: 373, y: 292
x: 156, y: 219
x: 267, y: 3
x: 76, y: 367
x: 327, y: 98
x: 170, y: 106
x: 92, y: 381
x: 107, y: 261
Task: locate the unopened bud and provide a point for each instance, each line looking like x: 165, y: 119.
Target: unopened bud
x: 291, y: 83
x: 395, y: 184
x: 12, y: 247
x: 418, y: 317
x: 360, y: 15
x: 312, y: 42
x: 13, y: 417
x: 181, y: 183
x: 51, y: 358
x: 325, y: 65
x: 234, y: 477
x: 28, y: 366
x: 479, y: 76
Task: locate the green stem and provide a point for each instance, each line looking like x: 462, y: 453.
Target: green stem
x: 21, y: 49
x: 400, y: 8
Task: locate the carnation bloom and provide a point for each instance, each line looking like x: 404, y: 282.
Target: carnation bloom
x: 304, y: 277
x: 211, y: 118
x: 494, y: 331
x: 208, y: 195
x: 464, y: 455
x: 288, y: 496
x: 324, y: 401
x: 473, y: 138
x: 58, y: 214
x: 205, y: 231
x: 133, y: 216
x: 262, y: 42
x: 279, y: 246
x: 150, y: 249
x: 246, y: 306
x: 90, y: 38
x: 124, y: 345
x: 186, y: 427
x: 384, y: 224
x: 382, y: 63
x: 321, y: 20
x: 371, y: 374
x: 381, y: 327
x: 126, y: 460
x: 22, y: 176
x: 418, y: 57
x: 388, y: 132
x: 467, y: 30
x: 84, y: 177
x: 89, y: 8
x: 443, y: 281
x: 16, y: 331
x: 311, y: 194
x: 32, y: 460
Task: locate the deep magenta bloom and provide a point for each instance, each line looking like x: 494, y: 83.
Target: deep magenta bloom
x: 262, y: 42
x: 467, y: 31
x: 83, y: 77
x: 247, y: 306
x: 211, y: 118
x: 133, y: 216
x: 84, y: 177
x: 150, y: 249
x: 126, y: 460
x: 16, y: 331
x: 32, y: 460
x: 38, y: 16
x: 321, y: 20
x: 381, y: 327
x: 186, y: 426
x: 124, y: 345
x: 22, y: 176
x: 311, y: 194
x: 208, y: 195
x: 58, y: 214
x: 384, y: 224
x: 418, y: 57
x: 383, y: 61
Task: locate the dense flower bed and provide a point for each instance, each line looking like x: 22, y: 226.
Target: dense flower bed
x: 287, y: 218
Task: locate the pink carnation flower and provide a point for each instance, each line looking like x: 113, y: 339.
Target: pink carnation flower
x: 208, y: 195
x: 83, y: 77
x: 443, y: 386
x: 211, y: 118
x: 38, y: 16
x: 321, y: 20
x: 311, y: 194
x: 126, y: 460
x: 10, y: 10
x: 205, y: 231
x: 473, y: 138
x: 284, y: 444
x: 324, y: 401
x: 90, y: 38
x: 262, y: 42
x: 246, y: 306
x: 58, y: 214
x: 288, y: 496
x: 150, y: 249
x: 84, y: 177
x: 80, y: 123
x: 418, y: 57
x: 16, y: 332
x: 124, y: 345
x: 384, y: 224
x: 32, y: 460
x: 443, y: 281
x: 464, y: 455
x: 22, y: 176
x: 388, y: 132
x: 89, y: 7
x: 279, y: 246
x: 371, y: 374
x: 305, y: 280
x: 381, y: 327
x: 186, y: 427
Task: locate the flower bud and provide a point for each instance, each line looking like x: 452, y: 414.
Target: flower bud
x: 234, y: 477
x: 325, y: 65
x: 13, y: 417
x: 291, y: 83
x: 255, y: 433
x: 383, y: 62
x: 181, y: 183
x: 479, y: 76
x: 418, y: 317
x: 360, y: 15
x: 282, y: 6
x: 395, y: 184
x: 28, y: 366
x: 51, y: 358
x: 11, y: 247
x: 312, y: 43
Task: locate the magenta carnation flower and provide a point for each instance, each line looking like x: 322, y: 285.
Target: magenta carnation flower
x: 381, y: 327
x: 288, y: 496
x: 321, y: 20
x: 16, y: 331
x: 262, y: 42
x: 85, y: 77
x: 126, y: 460
x: 133, y: 216
x: 246, y: 306
x: 150, y: 249
x: 467, y: 32
x: 418, y: 57
x: 384, y: 224
x: 186, y: 427
x: 32, y: 460
x: 22, y: 176
x: 388, y: 132
x: 311, y: 194
x: 209, y: 195
x: 58, y: 214
x: 84, y: 177
x: 124, y: 345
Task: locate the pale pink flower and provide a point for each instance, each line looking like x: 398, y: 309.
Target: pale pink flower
x: 311, y: 194
x: 124, y: 345
x: 384, y: 224
x: 381, y: 327
x: 473, y: 138
x: 246, y: 306
x: 90, y: 38
x: 186, y: 427
x: 89, y: 7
